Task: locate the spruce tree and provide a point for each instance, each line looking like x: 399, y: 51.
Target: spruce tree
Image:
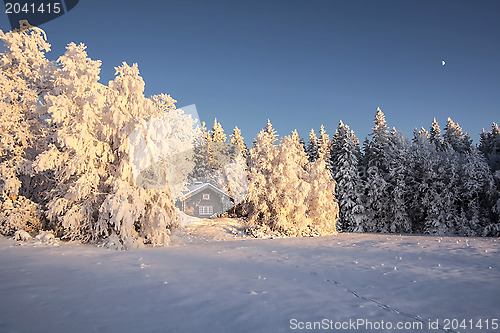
x: 219, y: 149
x: 269, y: 130
x: 260, y: 168
x: 202, y: 156
x: 323, y: 143
x: 323, y: 209
x: 435, y: 135
x: 343, y: 162
x: 490, y: 147
x: 289, y: 189
x: 238, y: 146
x: 397, y: 218
x: 456, y: 138
x: 376, y: 164
x: 312, y: 146
x: 478, y: 194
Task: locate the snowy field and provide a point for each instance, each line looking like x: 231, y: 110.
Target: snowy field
x: 250, y: 285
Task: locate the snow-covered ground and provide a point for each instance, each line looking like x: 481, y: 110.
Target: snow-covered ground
x: 250, y: 285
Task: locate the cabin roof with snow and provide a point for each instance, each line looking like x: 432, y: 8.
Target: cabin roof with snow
x: 196, y: 188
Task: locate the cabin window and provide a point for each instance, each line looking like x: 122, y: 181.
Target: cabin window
x: 206, y: 210
x: 206, y: 196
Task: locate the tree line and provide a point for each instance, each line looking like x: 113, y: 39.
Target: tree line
x: 96, y: 162
x: 435, y: 183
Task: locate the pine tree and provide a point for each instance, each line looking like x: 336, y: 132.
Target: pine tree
x: 238, y: 146
x: 202, y: 156
x: 477, y: 194
x: 431, y: 185
x: 435, y: 135
x: 376, y: 163
x: 420, y: 175
x: 397, y: 217
x: 260, y: 167
x: 219, y: 153
x: 288, y: 188
x: 287, y: 196
x: 344, y: 160
x: 271, y: 132
x: 323, y: 143
x: 450, y: 184
x: 377, y: 147
x: 312, y: 146
x: 490, y: 147
x: 217, y: 132
x: 323, y: 209
x: 456, y: 138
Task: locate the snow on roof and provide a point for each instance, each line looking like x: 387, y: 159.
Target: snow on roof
x: 197, y: 187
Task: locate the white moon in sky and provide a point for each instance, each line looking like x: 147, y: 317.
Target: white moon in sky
x: 443, y: 62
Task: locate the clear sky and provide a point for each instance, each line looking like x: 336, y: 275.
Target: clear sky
x: 302, y: 63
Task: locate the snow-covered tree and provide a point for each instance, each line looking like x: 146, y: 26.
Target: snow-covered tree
x: 435, y: 135
x: 236, y: 176
x: 285, y: 195
x: 260, y: 167
x: 217, y: 132
x: 140, y: 215
x: 376, y: 164
x: 269, y: 129
x: 103, y: 154
x: 323, y: 143
x: 456, y: 138
x: 80, y: 153
x: 397, y: 219
x: 219, y: 155
x: 202, y: 156
x: 238, y: 146
x: 344, y: 161
x: 490, y: 147
x: 450, y: 185
x: 323, y: 209
x: 288, y: 189
x: 25, y: 77
x: 477, y: 195
x: 219, y: 148
x: 377, y: 147
x: 312, y: 146
x: 431, y: 186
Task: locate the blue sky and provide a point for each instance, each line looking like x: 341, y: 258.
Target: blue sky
x: 302, y: 63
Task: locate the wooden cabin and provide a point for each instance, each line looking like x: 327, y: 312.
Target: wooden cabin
x: 204, y: 200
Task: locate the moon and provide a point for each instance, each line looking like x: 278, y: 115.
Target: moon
x: 443, y: 62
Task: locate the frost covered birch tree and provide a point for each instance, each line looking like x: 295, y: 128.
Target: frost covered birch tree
x: 80, y: 154
x: 25, y: 76
x: 103, y: 137
x: 142, y: 215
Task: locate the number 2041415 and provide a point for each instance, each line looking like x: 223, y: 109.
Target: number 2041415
x: 31, y: 8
